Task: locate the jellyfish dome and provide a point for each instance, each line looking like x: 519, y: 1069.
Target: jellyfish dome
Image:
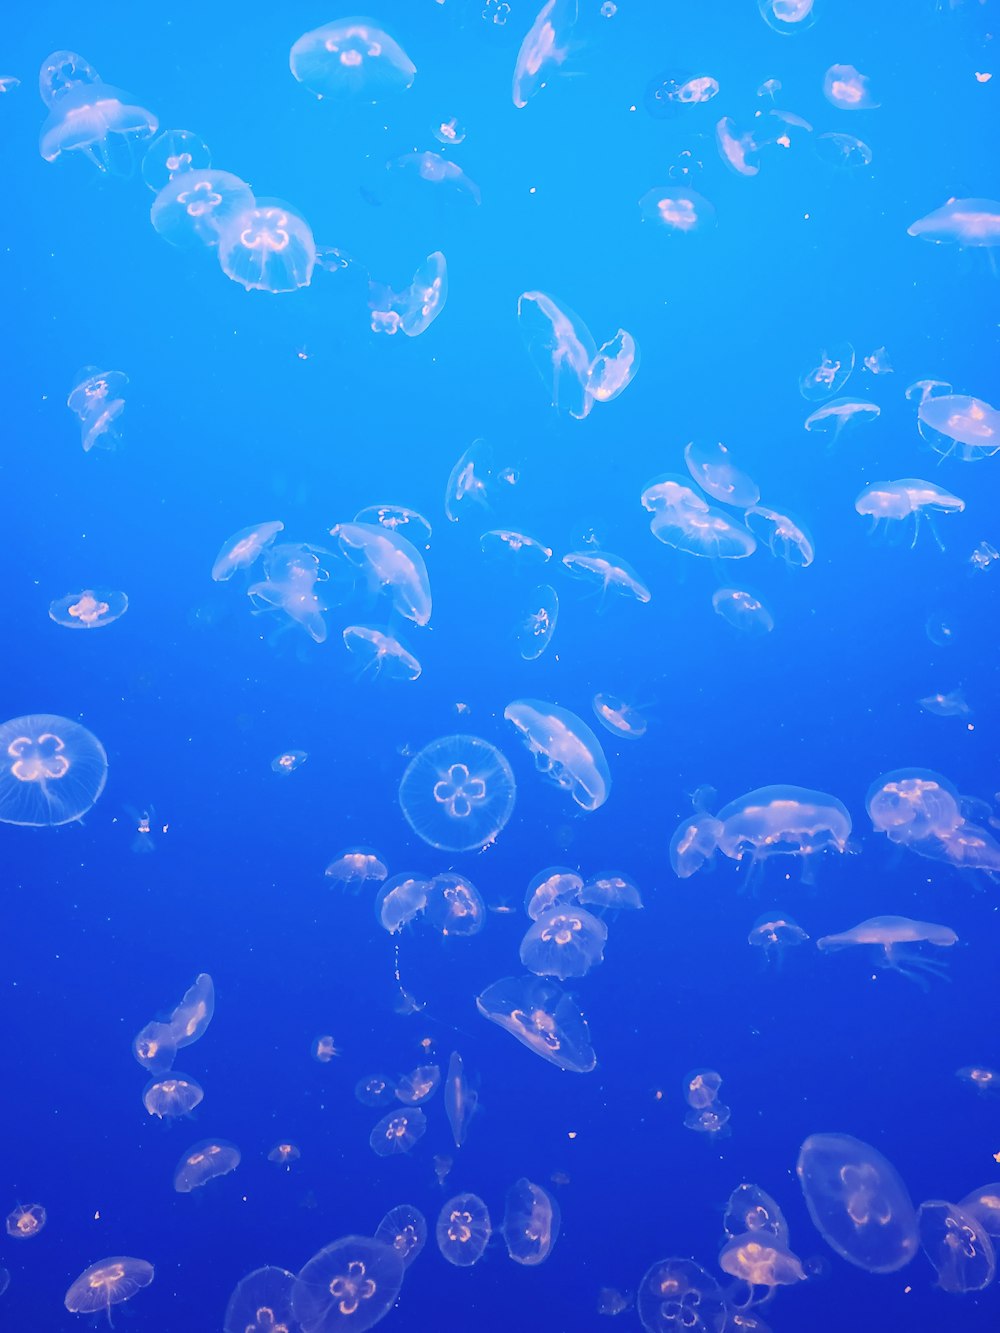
x: 351, y: 58
x: 268, y: 248
x: 351, y: 1284
x: 458, y: 793
x: 170, y: 153
x: 108, y: 1283
x: 565, y: 749
x: 194, y: 207
x: 62, y: 72
x: 678, y: 1294
x: 790, y: 821
x: 52, y: 770
x: 92, y: 118
x: 909, y: 805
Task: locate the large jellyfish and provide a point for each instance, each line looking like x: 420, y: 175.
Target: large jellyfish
x: 458, y: 793
x: 564, y: 942
x: 195, y: 207
x: 88, y: 116
x: 108, y: 1283
x: 960, y: 426
x: 351, y: 59
x: 268, y: 248
x: 351, y: 1284
x: 261, y: 1303
x: 416, y: 307
x: 88, y: 610
x: 52, y: 770
x: 783, y: 821
x: 542, y: 1017
x: 963, y: 222
x: 544, y: 45
x: 463, y: 1230
x: 390, y: 562
x: 897, y: 938
x: 565, y: 749
x: 958, y: 1246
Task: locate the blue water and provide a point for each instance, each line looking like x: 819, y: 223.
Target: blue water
x: 249, y: 406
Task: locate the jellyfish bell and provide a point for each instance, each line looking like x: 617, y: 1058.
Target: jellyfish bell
x: 678, y: 210
x: 261, y: 1303
x: 243, y: 548
x: 783, y: 821
x: 828, y: 377
x: 62, y: 72
x: 352, y: 1283
x: 544, y: 45
x: 909, y: 498
x: 458, y: 793
x: 896, y: 937
x: 761, y: 1260
x: 788, y: 16
x: 619, y: 717
x: 267, y: 247
x: 537, y: 626
x: 562, y: 349
x: 454, y: 906
x: 52, y: 770
x: 88, y: 610
x: 401, y: 900
x: 380, y: 654
x: 910, y: 805
x: 531, y: 1223
x: 612, y: 891
x: 542, y: 1017
x: 391, y: 563
x: 155, y: 1047
x: 25, y: 1221
x: 203, y: 1162
x: 196, y: 207
x: 712, y: 467
x: 463, y: 1230
x: 565, y: 750
x: 959, y: 426
x: 707, y: 532
x: 354, y: 867
x: 556, y: 886
x: 351, y: 59
x: 403, y: 1229
x: 743, y: 610
x: 95, y: 119
x: 751, y: 1209
x: 564, y: 942
x: 406, y: 522
x: 171, y: 153
x: 607, y: 573
x: 398, y: 1131
x: 171, y: 1096
x: 192, y: 1016
x: 694, y: 843
x: 108, y: 1283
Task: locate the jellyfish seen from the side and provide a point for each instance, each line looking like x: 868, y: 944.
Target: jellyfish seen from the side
x: 565, y: 749
x: 454, y: 905
x: 261, y: 1303
x: 324, y: 1049
x: 538, y: 624
x: 761, y: 1261
x: 107, y: 1283
x: 88, y: 116
x: 438, y: 170
x: 460, y: 1099
x: 785, y: 537
x: 544, y: 45
x: 351, y: 59
x: 783, y: 821
x: 897, y: 937
x: 530, y: 1223
x: 406, y: 522
x: 401, y: 900
x: 702, y: 530
x: 458, y: 793
x: 619, y: 717
x: 962, y: 222
x: 403, y: 1229
x: 517, y: 549
x: 204, y: 1162
x: 390, y: 563
x: 773, y: 933
x: 838, y: 414
x: 52, y: 770
x: 612, y: 891
x: 350, y: 1284
x: 743, y: 610
x: 297, y: 584
x: 958, y: 425
x: 398, y: 1131
x: 88, y: 610
x: 192, y: 1016
x: 356, y: 866
x: 412, y: 310
x: 958, y: 1246
x: 172, y: 1096
x: 268, y: 247
x: 243, y: 548
x: 284, y: 1154
x: 607, y: 573
x: 542, y: 1017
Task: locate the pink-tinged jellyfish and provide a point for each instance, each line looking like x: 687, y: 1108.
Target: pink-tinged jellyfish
x: 843, y: 151
x: 611, y: 891
x: 788, y: 16
x: 356, y: 866
x: 88, y: 610
x: 676, y: 209
x: 963, y: 222
x: 391, y: 563
x: 175, y: 1095
x: 761, y: 1261
x: 622, y: 719
x: 896, y: 937
x: 458, y: 793
x: 401, y: 900
x: 830, y: 375
x: 418, y: 1085
x: 609, y: 573
x: 699, y: 88
x: 397, y: 518
x: 380, y: 654
x: 292, y: 572
x: 470, y: 480
x: 668, y: 493
x: 155, y: 1047
x: 25, y: 1221
x: 454, y: 905
x: 984, y: 1205
x: 403, y: 1229
x: 743, y: 610
x: 204, y: 1162
x: 565, y: 750
x: 324, y: 1049
x: 268, y: 248
x: 677, y: 1295
x: 785, y: 537
x: 951, y: 704
x: 351, y: 59
x: 244, y: 548
x: 847, y: 88
x: 783, y: 821
x: 554, y: 887
x: 438, y: 170
x: 516, y: 548
x: 985, y: 1081
x: 564, y: 942
x: 984, y: 555
x: 88, y: 116
x: 544, y: 45
x: 956, y: 425
x: 449, y: 132
x: 460, y: 1099
x: 191, y: 1017
x: 857, y: 1202
x: 414, y: 309
x: 351, y: 1284
x: 172, y: 153
x: 535, y: 630
x: 712, y: 467
x: 97, y: 399
x: 921, y: 390
x: 700, y: 1088
x: 542, y: 1017
x: 738, y: 151
x: 195, y: 207
x: 957, y: 1245
x: 261, y: 1303
x: 775, y: 934
x: 107, y: 1283
x: 613, y: 368
x: 561, y: 348
x: 8, y: 82
x: 375, y: 1090
x: 694, y: 844
x: 531, y: 1221
x: 751, y: 1210
x: 704, y: 531
x: 839, y: 413
x: 52, y: 770
x: 877, y: 362
x: 910, y: 805
x: 62, y: 72
x: 910, y: 498
x: 463, y: 1230
x: 397, y: 1132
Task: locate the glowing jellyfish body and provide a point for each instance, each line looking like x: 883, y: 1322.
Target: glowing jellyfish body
x: 97, y: 399
x: 543, y: 1018
x: 848, y: 89
x: 25, y: 1221
x: 449, y: 132
x: 438, y: 170
x: 702, y: 530
x: 530, y: 1223
x: 564, y: 942
x: 52, y: 770
x: 963, y: 222
x: 268, y: 248
x: 261, y: 1303
x: 356, y: 866
x: 469, y: 481
x: 458, y: 793
x: 737, y: 149
x: 694, y: 843
x: 896, y: 937
x: 88, y: 610
x: 677, y: 1295
x: 535, y: 630
x: 195, y: 207
x: 397, y: 1132
x: 910, y: 805
x: 375, y: 1090
x: 556, y: 886
x: 292, y: 572
x: 612, y: 891
x: 619, y: 717
x: 173, y: 1096
x: 783, y: 821
x: 194, y: 1013
x: 907, y: 499
x: 785, y: 537
x: 463, y: 1230
x: 752, y: 1210
x: 351, y: 1284
x: 397, y: 518
x: 543, y: 46
x: 92, y: 118
x: 608, y: 573
x: 788, y: 16
x: 460, y: 1099
x: 418, y: 1085
x: 515, y: 547
x: 172, y: 153
x: 284, y: 1154
x: 108, y: 1283
x: 400, y: 900
x: 743, y: 610
x: 243, y: 549
x: 391, y: 563
x: 761, y: 1261
x: 288, y: 761
x: 324, y: 1049
x: 774, y: 934
x: 857, y: 1202
x: 677, y: 210
x: 986, y: 1082
x: 565, y: 750
x: 958, y: 1246
x: 829, y: 376
x: 204, y: 1162
x: 380, y: 653
x: 712, y: 467
x: 613, y: 368
x: 839, y: 413
x: 403, y: 1229
x: 561, y: 348
x: 958, y: 425
x: 454, y: 905
x: 351, y: 59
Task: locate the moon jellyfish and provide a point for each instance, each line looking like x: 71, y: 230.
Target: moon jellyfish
x: 561, y: 348
x: 877, y: 362
x: 176, y: 1095
x: 194, y: 1013
x: 677, y: 1295
x: 449, y: 132
x: 375, y: 1090
x: 351, y: 1284
x: 52, y: 770
x: 694, y: 843
x: 97, y: 400
x: 463, y: 1230
x: 544, y: 45
x: 960, y: 426
x: 958, y: 1246
x: 88, y: 610
x: 857, y: 1202
x: 438, y: 170
x: 458, y: 793
x: 454, y: 906
x: 390, y: 562
x: 261, y: 1303
x: 351, y: 59
x: 702, y: 531
x: 292, y: 573
x: 356, y: 866
x: 243, y: 548
x: 564, y: 942
x: 25, y: 1221
x: 783, y: 821
x: 401, y: 900
x: 668, y: 493
x: 397, y: 1132
x: 984, y: 1205
x: 950, y: 704
x: 677, y: 210
x: 896, y: 937
x: 910, y: 805
x: 775, y: 934
x: 535, y: 630
x: 833, y: 417
x: 907, y: 499
x: 530, y: 1223
x: 88, y: 116
x: 416, y: 307
x: 542, y: 1017
x: 785, y: 537
x: 963, y: 222
x: 515, y: 547
x: 288, y: 761
x: 752, y: 1210
x: 284, y: 1154
x: 609, y: 573
x: 565, y: 750
x: 268, y: 248
x: 761, y: 1261
x: 788, y: 16
x: 848, y: 89
x: 204, y: 1162
x: 611, y: 891
x: 418, y: 1085
x: 620, y: 718
x: 196, y: 207
x: 830, y: 375
x: 324, y: 1049
x: 460, y: 1099
x: 397, y: 518
x: 743, y: 610
x: 403, y: 1229
x: 380, y: 654
x: 171, y: 154
x: 469, y: 480
x: 108, y: 1283
x: 843, y: 151
x: 713, y: 469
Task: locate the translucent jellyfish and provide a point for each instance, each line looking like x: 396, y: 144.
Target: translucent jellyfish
x: 565, y: 750
x: 397, y: 518
x: 534, y: 632
x: 839, y: 413
x: 958, y: 1246
x: 469, y: 480
x: 668, y: 493
x: 61, y: 72
x: 418, y: 1085
x: 785, y: 537
x: 981, y: 558
x: 843, y: 151
x: 391, y: 563
x: 416, y: 307
x: 460, y: 1099
x: 397, y: 1132
x: 907, y: 499
x: 268, y: 248
x: 611, y: 1301
x: 984, y: 1205
x: 400, y: 900
x: 761, y: 1261
x: 562, y: 349
x: 351, y: 1284
x: 700, y: 1088
x: 155, y: 1047
x: 88, y: 610
x: 454, y: 905
x: 752, y: 1210
x: 783, y: 821
x: 847, y: 88
x: 463, y: 1230
x: 910, y: 805
x: 284, y: 1154
x: 857, y: 1202
x: 172, y: 153
x: 530, y: 1223
x: 608, y: 573
x: 194, y: 1013
x: 788, y: 16
x: 678, y: 210
x: 324, y: 1049
x: 204, y: 1162
x: 564, y: 942
x: 963, y: 222
x: 375, y: 1090
x: 985, y: 1081
x: 243, y: 548
x: 738, y: 150
x: 620, y: 718
x: 53, y: 770
x: 380, y: 654
x: 25, y: 1221
x: 458, y: 793
x: 175, y: 1095
x: 542, y: 1017
x: 449, y: 132
x: 877, y: 362
x: 261, y: 1303
x: 88, y: 116
x: 711, y: 1120
x: 288, y: 761
x: 694, y: 844
x: 107, y: 1283
x: 196, y: 207
x: 612, y: 891
x: 544, y: 45
x: 951, y: 704
x: 292, y: 572
x: 958, y: 425
x: 556, y: 886
x: 356, y: 866
x: 438, y: 170
x: 403, y: 1229
x: 351, y: 59
x: 515, y: 548
x: 895, y: 936
x: 774, y: 934
x: 743, y: 610
x: 712, y: 467
x: 702, y: 531
x: 676, y: 1295
x: 830, y: 375
x: 97, y: 399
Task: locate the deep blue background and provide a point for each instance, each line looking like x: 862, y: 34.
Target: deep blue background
x: 227, y: 424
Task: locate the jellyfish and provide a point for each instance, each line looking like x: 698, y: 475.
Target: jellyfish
x: 963, y: 222
x: 449, y: 132
x: 292, y: 572
x: 857, y: 1202
x: 609, y: 573
x: 561, y: 348
x: 984, y: 1205
x: 613, y: 368
x: 738, y: 150
x: 400, y: 900
x: 107, y: 1283
x: 951, y: 704
x: 783, y: 821
x: 88, y: 116
x: 418, y: 1085
x: 839, y: 413
x: 712, y: 468
x: 397, y: 1132
x: 848, y: 89
x: 677, y: 1295
x: 351, y: 59
x: 380, y: 653
x: 397, y: 518
x: 454, y: 905
x: 460, y: 1099
x: 564, y: 942
x: 52, y: 770
x: 356, y: 866
x: 679, y: 211
x: 172, y: 153
x: 694, y: 844
x: 403, y: 1229
x: 516, y: 548
x: 194, y: 1013
x: 535, y: 630
x: 204, y: 1162
x: 982, y: 557
x: 375, y: 1090
x: 985, y: 1081
x: 416, y: 307
x: 463, y: 1230
x: 788, y: 16
x: 173, y: 1096
x: 352, y: 1283
x: 458, y: 793
x: 893, y: 935
x: 288, y: 761
x: 436, y: 169
x: 611, y: 890
x: 97, y: 400
x: 244, y: 548
x: 761, y: 1261
x: 959, y: 425
x: 958, y: 1246
x: 743, y: 610
x: 826, y: 379
x: 530, y: 1223
x: 324, y: 1049
x: 542, y: 1017
x: 774, y: 934
x: 284, y: 1154
x: 910, y: 805
x: 752, y: 1210
x: 556, y: 886
x: 565, y: 750
x: 88, y: 610
x: 700, y: 1088
x: 25, y: 1221
x: 846, y: 152
x: 261, y: 1303
x: 391, y: 563
x: 910, y: 498
x: 544, y: 45
x: 268, y: 248
x: 469, y: 480
x: 155, y: 1047
x: 701, y: 530
x: 785, y: 537
x: 195, y: 207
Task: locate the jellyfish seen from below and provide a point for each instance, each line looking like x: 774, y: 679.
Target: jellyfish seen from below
x: 957, y: 425
x: 288, y: 761
x: 788, y: 16
x: 449, y: 132
x: 530, y: 1223
x: 25, y: 1221
x: 351, y: 1284
x: 463, y: 1230
x: 761, y: 1261
x: 957, y: 1245
x: 454, y: 906
x: 175, y: 1095
x: 400, y: 900
x: 397, y: 1132
x: 403, y: 1229
x: 618, y: 717
x: 88, y: 610
x: 418, y: 1085
x: 897, y: 938
x: 545, y: 45
x: 204, y: 1162
x: 785, y: 537
x: 97, y: 400
x: 535, y: 630
x: 261, y: 1303
x: 985, y: 1081
x: 243, y: 548
x: 962, y: 222
x: 469, y: 481
x: 108, y: 1283
x: 380, y: 654
x: 172, y: 153
x: 89, y: 117
x: 565, y: 750
x: 845, y: 152
x: 352, y: 60
x: 712, y: 467
x: 826, y: 379
x: 895, y: 502
x: 52, y: 770
x: 542, y: 1017
x: 375, y: 1090
x: 608, y: 573
x: 677, y: 210
x: 268, y: 248
x: 389, y: 562
x: 677, y: 1295
x: 743, y: 610
x: 564, y: 942
x: 857, y: 1202
x: 458, y: 793
x: 460, y: 1099
x: 355, y: 867
x: 752, y: 1210
x: 195, y: 207
x: 611, y: 891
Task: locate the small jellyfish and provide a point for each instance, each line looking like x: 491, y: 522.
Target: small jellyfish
x: 515, y: 548
x: 284, y: 1154
x: 403, y: 1229
x: 97, y: 400
x: 449, y: 132
x: 454, y: 905
x: 88, y: 610
x: 397, y: 518
x: 469, y: 480
x: 565, y: 750
x: 52, y: 771
x: 288, y: 761
x: 712, y: 467
x: 195, y: 207
x: 172, y: 153
x: 608, y: 573
x: 845, y: 152
x: 951, y: 704
x: 613, y: 368
x: 612, y: 891
x: 356, y: 866
x: 89, y: 117
x: 324, y: 1049
x: 416, y: 307
x: 261, y: 1303
x: 391, y: 563
x: 788, y: 16
x: 543, y: 1018
x: 895, y: 936
x: 530, y: 1223
x: 830, y: 375
x: 351, y: 59
x: 535, y: 630
x: 292, y: 573
x: 785, y: 537
x: 694, y: 843
x: 268, y: 248
x: 839, y: 413
x: 564, y: 942
x: 380, y: 653
x: 243, y: 548
x: 985, y: 1081
x: 700, y: 1088
x: 983, y: 556
x: 962, y: 222
x: 463, y: 1230
x: 458, y: 793
x: 620, y: 718
x: 676, y: 1295
x: 351, y: 1284
x: 460, y: 1099
x: 877, y: 362
x: 25, y: 1221
x: 194, y: 1013
x: 761, y: 1261
x: 743, y: 610
x: 544, y: 45
x: 204, y: 1162
x: 155, y: 1047
x: 958, y: 1246
x: 375, y: 1090
x: 175, y: 1095
x: 774, y: 934
x: 847, y: 88
x: 556, y: 886
x: 418, y: 1085
x: 677, y: 210
x: 907, y: 499
x: 107, y: 1283
x: 401, y: 900
x: 436, y: 169
x: 751, y: 1209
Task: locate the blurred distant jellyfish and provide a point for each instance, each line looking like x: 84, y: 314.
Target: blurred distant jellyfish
x: 458, y: 793
x: 530, y: 1223
x: 356, y: 866
x: 939, y: 630
x: 534, y: 633
x: 108, y: 1283
x: 375, y: 1090
x: 195, y: 207
x: 694, y: 844
x: 351, y: 59
x: 830, y: 375
x: 88, y: 610
x: 981, y: 558
x: 565, y: 750
x: 752, y: 1210
x: 268, y: 248
x: 261, y: 1303
x: 984, y: 1205
x: 620, y: 718
x: 739, y: 151
x: 843, y: 151
x: 380, y: 654
x: 611, y: 891
x: 324, y: 1049
x: 438, y: 170
x: 397, y: 518
x: 783, y: 821
x: 877, y: 362
x: 449, y: 132
x: 397, y: 1132
x: 460, y: 1099
x: 516, y: 548
x: 897, y: 937
x: 463, y: 1230
x: 454, y: 905
x: 542, y: 1017
x: 25, y: 1221
x: 97, y: 399
x: 171, y: 154
x: 204, y: 1162
x: 288, y: 761
x: 390, y: 563
x: 88, y: 116
x: 52, y: 771
x: 702, y: 531
x: 469, y: 480
x: 418, y: 1085
x: 556, y: 886
x: 351, y: 1284
x: 155, y: 1047
x: 173, y: 1096
x: 985, y: 1081
x: 788, y: 16
x: 242, y: 549
x: 951, y: 704
x: 61, y: 72
x: 676, y: 1295
x: 712, y: 467
x: 956, y: 425
x: 911, y: 499
x: 192, y: 1016
x: 668, y: 494
x: 962, y: 222
x: 785, y: 537
x: 761, y: 1260
x: 839, y: 413
x: 774, y: 934
x: 957, y: 1245
x: 564, y: 942
x: 847, y: 88
x: 678, y: 210
x: 401, y: 900
x: 403, y: 1229
x: 544, y: 45
x: 608, y: 573
x: 743, y: 610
